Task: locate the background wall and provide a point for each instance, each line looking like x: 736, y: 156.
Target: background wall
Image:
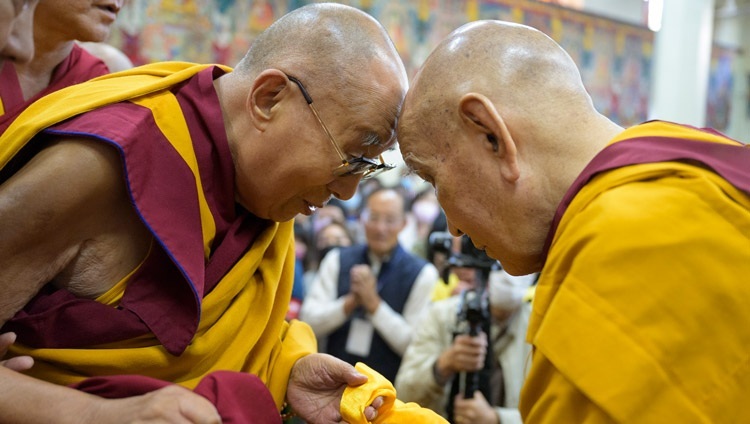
x: 608, y: 39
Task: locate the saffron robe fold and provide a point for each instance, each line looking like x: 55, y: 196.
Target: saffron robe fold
x: 79, y: 66
x: 637, y: 317
x: 238, y: 324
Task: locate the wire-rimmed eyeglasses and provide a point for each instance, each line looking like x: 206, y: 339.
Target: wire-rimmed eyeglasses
x: 366, y: 167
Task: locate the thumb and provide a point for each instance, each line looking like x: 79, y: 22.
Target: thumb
x: 339, y: 370
x: 352, y: 376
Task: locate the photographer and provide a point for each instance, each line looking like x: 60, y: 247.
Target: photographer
x: 441, y: 351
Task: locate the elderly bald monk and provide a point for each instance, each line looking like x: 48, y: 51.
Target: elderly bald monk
x: 642, y: 235
x: 147, y: 226
x: 58, y: 61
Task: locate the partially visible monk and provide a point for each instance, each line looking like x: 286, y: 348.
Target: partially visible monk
x: 58, y: 61
x: 16, y: 45
x: 146, y: 232
x: 642, y: 235
x: 16, y: 30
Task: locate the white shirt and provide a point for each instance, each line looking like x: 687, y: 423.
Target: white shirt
x: 324, y: 311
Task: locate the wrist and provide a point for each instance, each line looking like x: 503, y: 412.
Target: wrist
x: 350, y: 303
x: 373, y: 305
x: 440, y: 372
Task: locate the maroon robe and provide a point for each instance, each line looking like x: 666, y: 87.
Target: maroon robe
x: 79, y: 66
x: 732, y: 162
x: 164, y: 296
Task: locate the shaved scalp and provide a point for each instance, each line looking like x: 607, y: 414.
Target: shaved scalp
x: 320, y: 33
x: 523, y: 71
x: 332, y: 49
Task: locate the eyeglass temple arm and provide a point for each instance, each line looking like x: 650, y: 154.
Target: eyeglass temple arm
x: 328, y: 133
x: 309, y: 101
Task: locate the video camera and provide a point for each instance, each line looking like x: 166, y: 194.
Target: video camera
x: 473, y: 311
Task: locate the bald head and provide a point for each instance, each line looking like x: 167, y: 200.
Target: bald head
x: 327, y: 43
x: 501, y: 106
x: 520, y: 69
x: 336, y: 51
x: 320, y: 87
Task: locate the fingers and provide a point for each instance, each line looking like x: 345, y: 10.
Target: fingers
x: 371, y: 412
x: 468, y: 353
x: 6, y: 340
x: 327, y: 371
x: 19, y: 363
x: 378, y: 402
x: 361, y: 275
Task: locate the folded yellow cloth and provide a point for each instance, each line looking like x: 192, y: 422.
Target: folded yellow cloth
x: 393, y: 411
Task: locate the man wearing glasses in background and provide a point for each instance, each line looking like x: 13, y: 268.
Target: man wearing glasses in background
x: 146, y: 232
x: 365, y: 299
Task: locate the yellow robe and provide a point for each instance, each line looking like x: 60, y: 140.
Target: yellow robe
x: 641, y: 313
x: 242, y: 326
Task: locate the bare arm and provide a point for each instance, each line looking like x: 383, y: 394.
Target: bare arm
x: 66, y: 200
x: 21, y: 397
x: 49, y: 210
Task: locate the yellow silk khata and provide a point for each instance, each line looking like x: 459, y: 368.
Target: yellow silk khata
x: 393, y: 410
x: 242, y: 326
x: 642, y: 311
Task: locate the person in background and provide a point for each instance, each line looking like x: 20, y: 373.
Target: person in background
x: 367, y: 298
x: 146, y: 245
x: 641, y: 235
x: 439, y: 352
x: 58, y: 60
x: 332, y: 236
x: 423, y: 210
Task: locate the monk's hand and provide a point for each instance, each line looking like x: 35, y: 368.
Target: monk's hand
x: 316, y: 385
x: 19, y: 363
x: 171, y: 404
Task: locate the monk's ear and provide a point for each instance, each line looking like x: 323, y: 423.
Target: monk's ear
x: 266, y: 93
x: 489, y: 129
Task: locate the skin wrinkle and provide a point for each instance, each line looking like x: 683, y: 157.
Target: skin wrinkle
x: 329, y: 88
x: 349, y: 113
